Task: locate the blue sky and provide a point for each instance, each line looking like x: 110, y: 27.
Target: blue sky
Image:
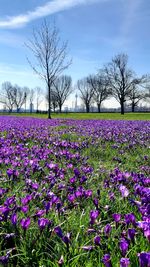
x: 96, y: 30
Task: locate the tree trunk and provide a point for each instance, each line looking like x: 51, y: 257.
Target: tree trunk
x: 49, y: 102
x: 122, y: 107
x: 133, y: 107
x: 60, y: 106
x: 99, y: 107
x: 87, y: 108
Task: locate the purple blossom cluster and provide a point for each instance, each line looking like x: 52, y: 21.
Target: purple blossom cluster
x: 53, y: 199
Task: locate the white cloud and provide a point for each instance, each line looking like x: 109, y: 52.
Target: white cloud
x: 49, y: 8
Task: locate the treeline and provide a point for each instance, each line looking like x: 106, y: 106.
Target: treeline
x: 13, y: 97
x: 114, y: 79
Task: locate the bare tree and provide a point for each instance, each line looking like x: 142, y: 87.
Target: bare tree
x: 50, y: 55
x: 147, y: 93
x: 54, y: 100
x: 31, y: 98
x: 39, y: 98
x: 101, y: 91
x: 86, y: 91
x: 120, y: 78
x: 62, y: 89
x: 19, y: 96
x: 6, y: 95
x: 136, y: 94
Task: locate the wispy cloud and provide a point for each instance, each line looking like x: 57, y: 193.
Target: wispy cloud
x: 51, y: 7
x: 19, y: 74
x: 11, y: 39
x: 131, y: 15
x: 13, y: 69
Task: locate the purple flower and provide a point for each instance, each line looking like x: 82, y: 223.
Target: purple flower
x: 95, y: 201
x: 61, y: 261
x: 93, y: 216
x: 88, y: 248
x: 91, y: 230
x: 88, y: 193
x: 107, y: 260
x: 25, y: 222
x: 9, y: 172
x: 71, y: 197
x: 24, y: 209
x: 116, y: 217
x: 72, y: 180
x: 14, y: 219
x: 66, y: 239
x: 39, y: 213
x: 107, y: 229
x: 4, y: 259
x: 35, y: 186
x: 42, y: 222
x: 111, y: 196
x: 58, y: 231
x: 144, y: 259
x: 131, y: 234
x: 4, y: 210
x: 147, y: 234
x: 123, y: 245
x: 97, y: 240
x: 83, y: 179
x: 124, y: 191
x: 124, y: 262
x: 26, y: 199
x: 130, y: 218
x: 76, y: 172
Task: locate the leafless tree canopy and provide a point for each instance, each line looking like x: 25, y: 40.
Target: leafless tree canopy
x: 20, y: 94
x: 86, y: 91
x: 50, y: 54
x: 100, y: 87
x: 136, y: 94
x: 13, y: 96
x: 6, y: 96
x: 62, y: 89
x: 38, y: 96
x: 120, y: 78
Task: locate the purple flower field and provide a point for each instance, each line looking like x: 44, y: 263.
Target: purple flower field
x: 74, y: 193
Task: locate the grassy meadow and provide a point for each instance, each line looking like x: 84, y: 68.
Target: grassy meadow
x: 75, y: 190
x: 88, y: 116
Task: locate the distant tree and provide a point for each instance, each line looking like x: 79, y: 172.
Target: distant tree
x: 31, y: 98
x: 62, y: 89
x: 39, y: 97
x: 6, y: 96
x: 100, y: 87
x: 86, y: 91
x: 19, y: 96
x: 147, y: 93
x: 135, y: 95
x: 50, y: 55
x: 54, y: 100
x: 120, y: 78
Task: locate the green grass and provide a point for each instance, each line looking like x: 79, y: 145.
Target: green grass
x: 43, y: 248
x: 87, y: 116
